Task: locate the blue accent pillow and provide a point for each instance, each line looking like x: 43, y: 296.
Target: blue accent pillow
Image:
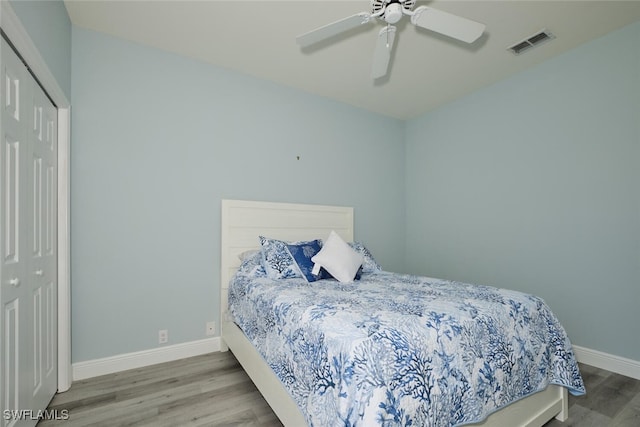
x: 302, y: 254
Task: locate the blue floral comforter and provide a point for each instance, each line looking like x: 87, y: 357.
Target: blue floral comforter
x: 395, y: 349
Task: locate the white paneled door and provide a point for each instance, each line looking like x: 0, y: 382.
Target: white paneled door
x: 28, y: 236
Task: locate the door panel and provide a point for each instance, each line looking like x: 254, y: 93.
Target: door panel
x: 11, y: 394
x: 11, y: 211
x: 42, y: 270
x: 14, y: 292
x: 36, y: 312
x: 28, y: 270
x: 36, y: 213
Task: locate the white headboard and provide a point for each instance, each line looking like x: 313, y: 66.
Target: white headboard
x: 243, y: 221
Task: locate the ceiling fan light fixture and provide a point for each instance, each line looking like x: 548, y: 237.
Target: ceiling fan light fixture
x: 393, y: 13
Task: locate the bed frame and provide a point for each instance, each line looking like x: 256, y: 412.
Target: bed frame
x: 242, y: 222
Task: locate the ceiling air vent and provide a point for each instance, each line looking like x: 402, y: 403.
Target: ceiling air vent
x: 531, y: 41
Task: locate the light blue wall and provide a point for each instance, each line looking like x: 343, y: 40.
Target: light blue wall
x: 48, y: 25
x: 529, y: 184
x: 158, y: 141
x: 534, y: 184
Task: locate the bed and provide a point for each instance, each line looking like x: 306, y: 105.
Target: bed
x: 242, y: 222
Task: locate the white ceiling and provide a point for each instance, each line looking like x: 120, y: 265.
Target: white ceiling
x: 427, y: 70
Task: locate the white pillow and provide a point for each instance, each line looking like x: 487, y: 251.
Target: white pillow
x: 338, y: 258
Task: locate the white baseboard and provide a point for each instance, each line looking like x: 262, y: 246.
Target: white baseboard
x: 138, y: 359
x: 610, y: 362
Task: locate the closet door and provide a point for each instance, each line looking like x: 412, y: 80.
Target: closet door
x: 13, y: 231
x: 27, y: 244
x: 42, y: 237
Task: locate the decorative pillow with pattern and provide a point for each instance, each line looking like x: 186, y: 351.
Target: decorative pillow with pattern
x: 369, y: 265
x: 251, y: 264
x: 277, y: 261
x: 302, y: 254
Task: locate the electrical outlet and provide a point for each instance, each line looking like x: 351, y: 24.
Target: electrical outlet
x: 211, y: 328
x: 163, y: 336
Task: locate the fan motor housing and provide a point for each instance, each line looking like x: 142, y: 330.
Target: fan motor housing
x: 379, y: 5
x: 393, y: 13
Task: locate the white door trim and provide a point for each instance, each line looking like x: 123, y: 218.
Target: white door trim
x: 13, y: 28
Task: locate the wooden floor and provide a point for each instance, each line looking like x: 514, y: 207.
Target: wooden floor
x: 213, y: 390
x: 208, y: 390
x: 612, y: 400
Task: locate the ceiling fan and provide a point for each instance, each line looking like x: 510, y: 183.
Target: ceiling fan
x: 391, y: 11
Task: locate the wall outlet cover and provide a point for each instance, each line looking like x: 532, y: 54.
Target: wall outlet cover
x: 210, y: 328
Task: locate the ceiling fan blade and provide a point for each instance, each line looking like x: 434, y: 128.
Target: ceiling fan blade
x: 333, y: 29
x: 382, y: 52
x: 448, y: 24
